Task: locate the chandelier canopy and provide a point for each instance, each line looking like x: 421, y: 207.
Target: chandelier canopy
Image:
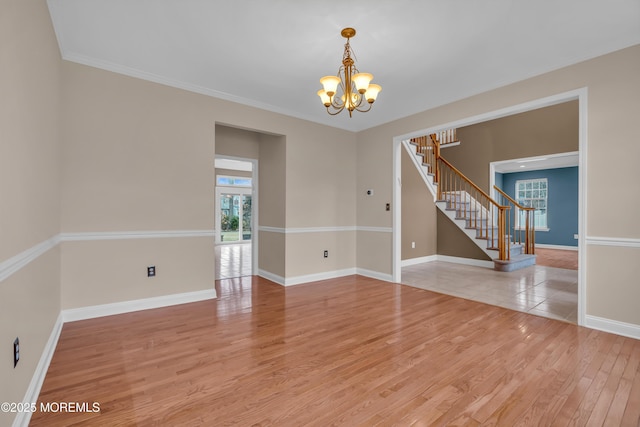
x: 350, y: 88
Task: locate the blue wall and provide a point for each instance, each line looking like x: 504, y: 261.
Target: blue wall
x: 562, y: 202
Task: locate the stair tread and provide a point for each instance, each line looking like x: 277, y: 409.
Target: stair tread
x: 458, y: 206
x: 515, y: 263
x: 515, y: 258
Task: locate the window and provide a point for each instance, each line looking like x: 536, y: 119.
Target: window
x: 233, y: 181
x: 233, y: 208
x: 533, y: 193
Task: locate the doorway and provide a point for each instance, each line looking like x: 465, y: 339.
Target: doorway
x: 235, y: 216
x: 581, y: 96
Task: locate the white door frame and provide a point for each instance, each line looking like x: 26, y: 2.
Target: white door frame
x: 254, y: 208
x: 581, y: 96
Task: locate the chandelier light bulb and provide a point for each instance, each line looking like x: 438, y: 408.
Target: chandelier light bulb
x: 326, y: 100
x: 372, y: 93
x: 361, y: 81
x: 330, y: 84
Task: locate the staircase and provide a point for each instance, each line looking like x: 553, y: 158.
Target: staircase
x: 503, y: 230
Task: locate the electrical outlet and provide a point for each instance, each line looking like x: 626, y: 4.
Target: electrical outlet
x: 326, y: 254
x: 16, y: 352
x: 413, y: 245
x: 151, y: 271
x: 388, y: 206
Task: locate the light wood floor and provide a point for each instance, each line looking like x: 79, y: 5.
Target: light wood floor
x: 558, y: 258
x: 351, y: 351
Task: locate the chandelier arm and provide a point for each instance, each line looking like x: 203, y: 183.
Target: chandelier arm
x: 335, y: 104
x: 338, y: 111
x: 364, y: 111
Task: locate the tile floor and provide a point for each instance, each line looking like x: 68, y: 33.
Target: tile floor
x: 544, y: 291
x: 233, y: 260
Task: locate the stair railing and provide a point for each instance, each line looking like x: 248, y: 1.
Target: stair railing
x: 471, y: 203
x: 429, y: 149
x: 524, y: 232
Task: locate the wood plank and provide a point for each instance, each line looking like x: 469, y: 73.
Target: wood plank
x: 348, y: 351
x: 632, y: 407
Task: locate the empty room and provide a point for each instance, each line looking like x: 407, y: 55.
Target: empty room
x: 294, y: 213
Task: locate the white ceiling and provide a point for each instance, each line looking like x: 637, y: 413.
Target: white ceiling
x: 271, y: 53
x: 553, y: 161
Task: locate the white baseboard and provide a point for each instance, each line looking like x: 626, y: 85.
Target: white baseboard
x: 466, y: 261
x: 564, y: 248
x: 613, y: 326
x: 271, y: 276
x: 419, y: 260
x: 299, y: 280
x: 447, y: 258
x: 71, y: 315
x: 374, y: 274
x: 33, y: 391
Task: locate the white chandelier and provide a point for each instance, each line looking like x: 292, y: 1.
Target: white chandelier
x: 356, y: 92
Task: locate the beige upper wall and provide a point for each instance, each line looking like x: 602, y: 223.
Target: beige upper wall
x: 272, y: 177
x: 138, y: 155
x: 543, y: 131
x: 321, y: 178
x: 237, y: 142
x: 30, y: 70
x: 29, y: 123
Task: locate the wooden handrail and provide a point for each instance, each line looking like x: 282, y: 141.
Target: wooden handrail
x: 529, y: 224
x: 471, y: 203
x: 475, y: 187
x: 506, y: 196
x: 490, y: 219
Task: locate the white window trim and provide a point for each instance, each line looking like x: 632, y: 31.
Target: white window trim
x: 537, y: 229
x: 546, y: 199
